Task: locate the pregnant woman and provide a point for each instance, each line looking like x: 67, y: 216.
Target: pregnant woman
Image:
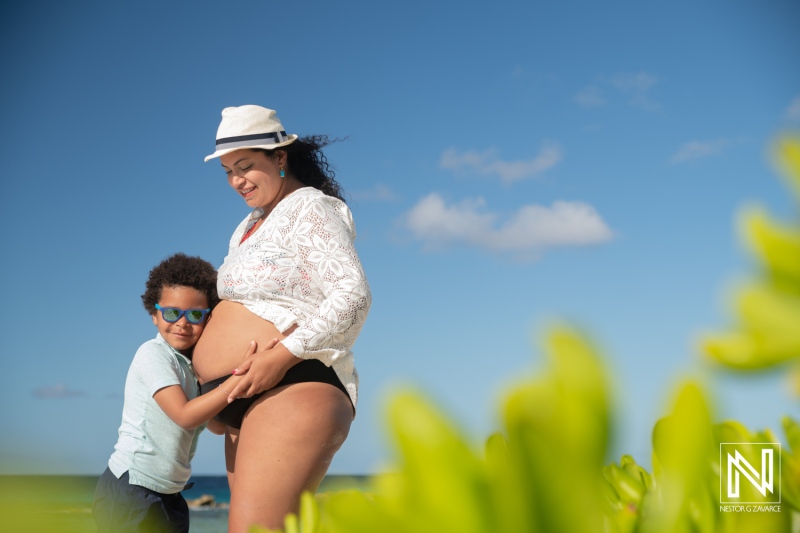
x: 292, y: 273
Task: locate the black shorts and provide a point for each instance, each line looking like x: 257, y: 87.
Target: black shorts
x: 304, y: 371
x: 120, y: 507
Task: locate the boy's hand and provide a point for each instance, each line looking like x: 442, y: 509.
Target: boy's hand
x: 262, y: 370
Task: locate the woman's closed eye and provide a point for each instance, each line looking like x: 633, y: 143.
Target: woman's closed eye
x: 240, y: 168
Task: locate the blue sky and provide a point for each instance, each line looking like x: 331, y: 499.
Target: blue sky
x: 508, y: 164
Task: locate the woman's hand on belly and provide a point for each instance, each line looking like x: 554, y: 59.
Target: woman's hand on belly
x: 263, y: 370
x: 228, y: 332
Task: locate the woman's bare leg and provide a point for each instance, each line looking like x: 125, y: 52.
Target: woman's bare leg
x: 231, y: 438
x: 286, y: 444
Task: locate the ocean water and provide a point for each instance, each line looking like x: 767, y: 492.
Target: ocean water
x: 63, y: 504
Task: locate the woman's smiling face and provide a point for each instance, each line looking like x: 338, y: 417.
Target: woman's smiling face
x: 255, y: 176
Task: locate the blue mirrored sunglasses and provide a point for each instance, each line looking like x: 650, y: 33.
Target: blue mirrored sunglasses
x: 173, y: 314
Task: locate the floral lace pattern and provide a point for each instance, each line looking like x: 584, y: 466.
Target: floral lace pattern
x: 301, y: 267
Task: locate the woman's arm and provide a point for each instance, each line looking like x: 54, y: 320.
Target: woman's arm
x: 327, y: 256
x: 190, y: 414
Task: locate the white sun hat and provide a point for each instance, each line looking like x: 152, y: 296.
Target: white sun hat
x: 250, y: 126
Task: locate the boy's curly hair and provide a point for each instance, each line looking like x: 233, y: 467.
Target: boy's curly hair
x: 180, y: 270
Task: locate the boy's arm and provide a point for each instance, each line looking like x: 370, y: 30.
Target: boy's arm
x: 190, y: 414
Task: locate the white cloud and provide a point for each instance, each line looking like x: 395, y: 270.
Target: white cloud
x: 57, y: 391
x: 793, y: 111
x: 636, y: 86
x: 639, y: 82
x: 488, y: 163
x: 697, y: 149
x: 642, y: 101
x: 378, y: 193
x: 632, y: 86
x: 433, y: 221
x: 532, y: 228
x: 591, y: 96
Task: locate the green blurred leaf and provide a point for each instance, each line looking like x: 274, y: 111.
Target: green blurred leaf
x: 628, y: 487
x: 768, y: 311
x: 776, y: 245
x: 309, y: 514
x: 788, y: 159
x: 790, y: 463
x: 769, y: 334
x: 792, y: 430
x: 558, y: 428
x: 353, y: 511
x: 682, y: 446
x: 443, y: 480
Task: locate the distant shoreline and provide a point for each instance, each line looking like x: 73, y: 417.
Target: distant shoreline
x: 69, y: 491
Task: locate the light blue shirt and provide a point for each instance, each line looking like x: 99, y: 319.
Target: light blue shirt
x: 154, y: 450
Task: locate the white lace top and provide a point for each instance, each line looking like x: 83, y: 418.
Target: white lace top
x: 301, y: 267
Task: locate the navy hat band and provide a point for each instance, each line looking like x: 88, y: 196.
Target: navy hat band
x: 247, y: 140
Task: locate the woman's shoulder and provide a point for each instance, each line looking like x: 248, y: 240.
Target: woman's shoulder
x: 311, y: 198
x: 310, y: 194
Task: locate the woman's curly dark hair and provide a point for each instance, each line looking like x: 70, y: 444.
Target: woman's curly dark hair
x: 306, y: 162
x: 180, y: 270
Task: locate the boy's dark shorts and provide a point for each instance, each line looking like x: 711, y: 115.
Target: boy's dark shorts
x: 120, y: 507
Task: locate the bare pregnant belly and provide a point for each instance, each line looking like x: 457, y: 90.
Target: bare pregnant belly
x: 226, y: 337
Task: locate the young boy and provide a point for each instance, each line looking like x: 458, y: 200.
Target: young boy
x: 162, y: 416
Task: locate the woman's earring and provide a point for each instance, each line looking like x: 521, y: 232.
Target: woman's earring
x: 282, y: 174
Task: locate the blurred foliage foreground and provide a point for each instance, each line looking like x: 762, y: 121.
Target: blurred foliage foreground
x: 544, y: 471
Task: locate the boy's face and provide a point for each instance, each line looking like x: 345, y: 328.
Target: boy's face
x: 182, y: 334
